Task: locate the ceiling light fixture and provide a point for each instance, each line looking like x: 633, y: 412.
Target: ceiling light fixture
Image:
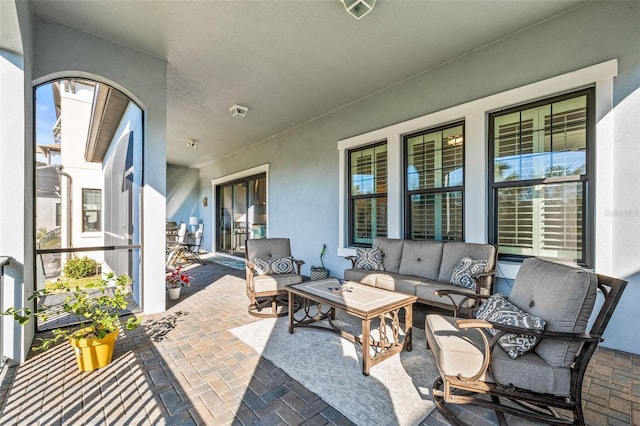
x: 238, y: 111
x: 191, y: 143
x: 358, y: 8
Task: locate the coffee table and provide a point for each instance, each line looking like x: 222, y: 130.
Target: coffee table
x: 318, y: 302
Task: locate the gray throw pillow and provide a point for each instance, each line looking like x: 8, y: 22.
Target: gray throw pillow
x: 369, y: 258
x: 497, y: 309
x: 466, y: 267
x: 273, y: 267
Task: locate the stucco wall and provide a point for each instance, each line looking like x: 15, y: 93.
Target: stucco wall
x: 17, y: 235
x: 303, y: 184
x: 60, y: 51
x: 182, y: 193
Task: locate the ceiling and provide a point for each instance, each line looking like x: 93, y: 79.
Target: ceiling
x: 288, y: 61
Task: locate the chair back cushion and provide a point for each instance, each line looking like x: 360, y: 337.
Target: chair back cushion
x: 563, y: 296
x: 268, y: 248
x: 391, y: 249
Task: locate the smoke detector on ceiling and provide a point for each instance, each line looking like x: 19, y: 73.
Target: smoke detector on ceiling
x: 191, y: 143
x: 238, y: 111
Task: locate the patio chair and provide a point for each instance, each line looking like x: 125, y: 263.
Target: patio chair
x: 541, y: 382
x: 269, y: 268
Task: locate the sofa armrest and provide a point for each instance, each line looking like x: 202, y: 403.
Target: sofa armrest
x: 352, y: 259
x: 483, y: 282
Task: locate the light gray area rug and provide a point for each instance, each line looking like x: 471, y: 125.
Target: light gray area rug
x: 397, y: 392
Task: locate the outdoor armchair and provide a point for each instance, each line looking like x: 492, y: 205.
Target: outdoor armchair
x: 269, y: 268
x: 534, y: 364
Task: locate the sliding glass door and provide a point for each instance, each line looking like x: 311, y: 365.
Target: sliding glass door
x: 242, y: 213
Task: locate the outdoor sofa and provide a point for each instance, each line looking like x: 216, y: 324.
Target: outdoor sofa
x: 421, y: 267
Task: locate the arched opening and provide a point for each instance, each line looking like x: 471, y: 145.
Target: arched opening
x: 88, y: 184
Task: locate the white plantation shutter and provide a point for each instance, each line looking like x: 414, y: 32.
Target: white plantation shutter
x: 434, y: 184
x: 540, y: 178
x: 368, y: 183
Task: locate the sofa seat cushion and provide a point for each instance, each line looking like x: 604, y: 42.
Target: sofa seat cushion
x: 363, y: 276
x: 273, y: 283
x: 461, y: 352
x: 422, y: 259
x: 425, y: 289
x: 384, y: 280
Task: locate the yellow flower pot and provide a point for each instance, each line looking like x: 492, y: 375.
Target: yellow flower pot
x: 93, y: 353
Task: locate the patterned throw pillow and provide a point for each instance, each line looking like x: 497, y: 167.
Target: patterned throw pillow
x: 466, y: 267
x: 369, y: 258
x: 497, y: 309
x: 273, y: 267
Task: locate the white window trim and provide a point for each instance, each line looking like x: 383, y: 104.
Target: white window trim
x: 474, y: 114
x: 264, y: 168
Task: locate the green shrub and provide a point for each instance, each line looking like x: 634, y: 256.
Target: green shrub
x: 80, y: 267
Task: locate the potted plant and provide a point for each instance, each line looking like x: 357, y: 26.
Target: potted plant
x: 320, y: 272
x: 175, y: 280
x: 98, y: 307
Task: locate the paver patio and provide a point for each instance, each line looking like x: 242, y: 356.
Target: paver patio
x: 184, y: 367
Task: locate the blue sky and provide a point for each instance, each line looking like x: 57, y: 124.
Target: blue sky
x: 45, y: 115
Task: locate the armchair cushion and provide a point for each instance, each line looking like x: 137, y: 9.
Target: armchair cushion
x: 460, y: 351
x: 497, y: 309
x: 564, y: 296
x: 466, y: 267
x: 276, y: 266
x: 369, y: 258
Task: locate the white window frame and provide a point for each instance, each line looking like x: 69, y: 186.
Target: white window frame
x: 474, y: 114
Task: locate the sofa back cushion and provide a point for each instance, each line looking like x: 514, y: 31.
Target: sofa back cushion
x: 391, y: 252
x: 453, y: 251
x: 563, y: 296
x: 422, y: 258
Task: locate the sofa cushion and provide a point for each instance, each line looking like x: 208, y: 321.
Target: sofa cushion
x: 563, y: 296
x: 364, y: 276
x: 397, y: 282
x: 391, y: 252
x: 466, y: 267
x: 453, y: 251
x: 497, y: 309
x: 459, y: 351
x: 275, y: 266
x: 421, y: 258
x: 369, y: 258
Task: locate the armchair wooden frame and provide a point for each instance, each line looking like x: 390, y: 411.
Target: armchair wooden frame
x: 503, y: 398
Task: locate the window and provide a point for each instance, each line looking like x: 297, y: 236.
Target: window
x: 368, y: 194
x: 434, y: 184
x: 91, y: 210
x: 540, y: 178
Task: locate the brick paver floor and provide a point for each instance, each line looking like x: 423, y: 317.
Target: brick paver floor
x: 184, y: 367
